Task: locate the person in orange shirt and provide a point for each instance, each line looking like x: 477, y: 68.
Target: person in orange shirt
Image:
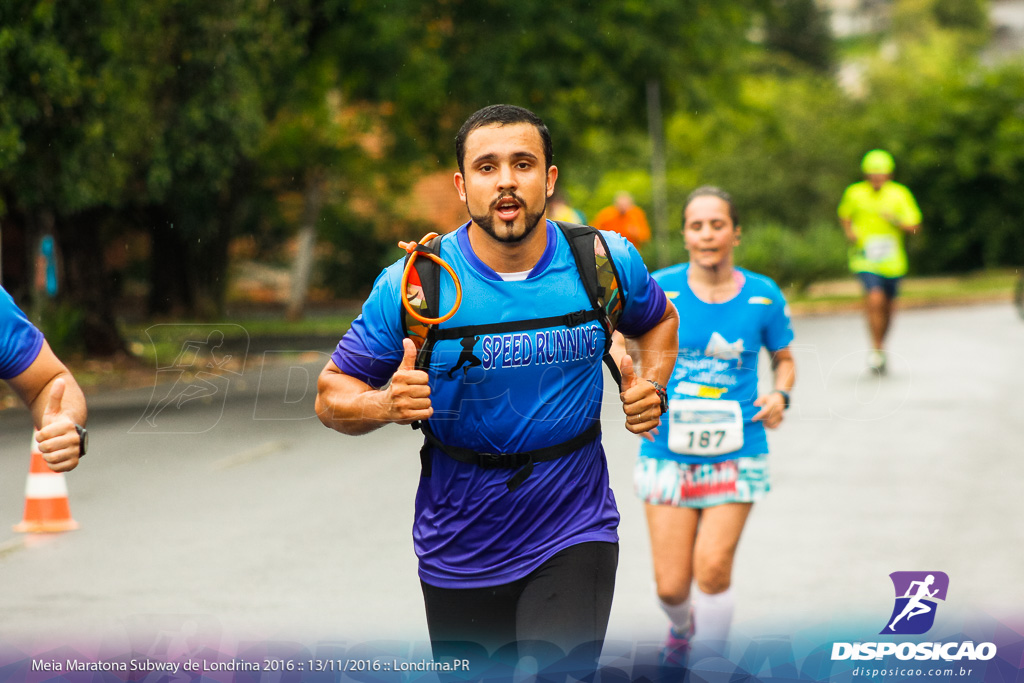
x: 625, y: 218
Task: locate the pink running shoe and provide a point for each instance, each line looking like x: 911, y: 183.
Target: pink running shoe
x: 677, y: 647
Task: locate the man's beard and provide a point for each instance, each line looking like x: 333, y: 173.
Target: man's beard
x: 530, y: 220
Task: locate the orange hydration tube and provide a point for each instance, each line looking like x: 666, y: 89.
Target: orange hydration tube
x: 410, y: 247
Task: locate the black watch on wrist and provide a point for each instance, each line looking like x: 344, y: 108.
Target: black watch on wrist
x: 662, y: 394
x: 785, y: 398
x: 83, y: 440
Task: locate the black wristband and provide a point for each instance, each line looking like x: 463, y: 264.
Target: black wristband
x: 662, y: 394
x: 83, y: 440
x: 785, y: 398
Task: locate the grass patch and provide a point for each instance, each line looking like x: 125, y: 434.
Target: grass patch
x: 163, y: 341
x: 989, y: 285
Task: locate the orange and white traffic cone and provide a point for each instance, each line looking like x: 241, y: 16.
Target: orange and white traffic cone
x: 46, y: 498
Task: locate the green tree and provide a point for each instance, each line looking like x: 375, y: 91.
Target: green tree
x: 915, y: 18
x: 332, y: 156
x: 422, y: 67
x: 72, y: 128
x: 179, y: 115
x: 120, y: 114
x: 580, y: 64
x: 955, y: 128
x: 222, y: 65
x: 800, y: 29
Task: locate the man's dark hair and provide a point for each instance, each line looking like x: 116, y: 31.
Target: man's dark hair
x: 501, y: 114
x: 712, y: 191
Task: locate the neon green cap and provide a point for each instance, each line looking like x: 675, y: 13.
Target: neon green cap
x: 878, y: 161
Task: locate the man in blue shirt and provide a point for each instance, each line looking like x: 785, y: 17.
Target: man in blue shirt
x: 45, y: 385
x: 525, y: 557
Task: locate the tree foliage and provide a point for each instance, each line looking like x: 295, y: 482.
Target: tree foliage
x: 956, y: 128
x: 116, y: 115
x: 580, y: 62
x: 192, y: 122
x: 792, y: 141
x: 800, y: 29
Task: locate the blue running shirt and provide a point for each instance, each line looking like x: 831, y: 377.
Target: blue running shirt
x: 20, y: 341
x: 719, y: 347
x: 507, y: 393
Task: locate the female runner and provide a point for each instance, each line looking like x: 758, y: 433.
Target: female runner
x: 708, y: 463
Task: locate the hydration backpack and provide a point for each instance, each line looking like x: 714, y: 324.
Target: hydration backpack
x: 602, y: 283
x: 593, y: 262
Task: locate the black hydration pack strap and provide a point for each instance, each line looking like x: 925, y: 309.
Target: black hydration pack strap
x: 522, y: 461
x: 426, y: 292
x: 600, y: 280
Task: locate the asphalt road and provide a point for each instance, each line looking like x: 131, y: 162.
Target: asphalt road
x: 235, y: 515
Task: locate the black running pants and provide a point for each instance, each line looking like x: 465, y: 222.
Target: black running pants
x: 557, y: 614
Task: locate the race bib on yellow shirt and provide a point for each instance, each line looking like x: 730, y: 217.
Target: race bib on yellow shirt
x: 704, y: 426
x: 880, y: 248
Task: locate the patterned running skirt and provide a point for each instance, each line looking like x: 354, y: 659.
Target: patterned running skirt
x: 661, y: 481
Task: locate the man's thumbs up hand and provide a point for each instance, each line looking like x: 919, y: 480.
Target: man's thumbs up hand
x: 640, y: 400
x: 58, y: 437
x: 408, y: 395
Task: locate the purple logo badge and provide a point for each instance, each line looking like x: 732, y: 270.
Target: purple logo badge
x: 917, y: 594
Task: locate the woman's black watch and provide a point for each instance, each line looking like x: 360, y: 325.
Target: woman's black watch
x: 785, y: 398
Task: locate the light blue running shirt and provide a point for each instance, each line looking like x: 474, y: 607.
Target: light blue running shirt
x: 719, y: 348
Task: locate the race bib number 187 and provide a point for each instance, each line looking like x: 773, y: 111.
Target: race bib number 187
x: 704, y: 426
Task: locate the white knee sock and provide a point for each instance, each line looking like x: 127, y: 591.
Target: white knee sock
x: 679, y: 615
x: 712, y: 614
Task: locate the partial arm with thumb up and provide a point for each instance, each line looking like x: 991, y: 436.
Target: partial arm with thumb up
x: 57, y: 405
x: 407, y: 398
x: 351, y: 406
x: 655, y: 352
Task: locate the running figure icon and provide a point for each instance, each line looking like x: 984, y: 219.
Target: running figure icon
x: 209, y: 359
x: 917, y: 594
x: 916, y: 605
x: 467, y: 359
x: 200, y: 358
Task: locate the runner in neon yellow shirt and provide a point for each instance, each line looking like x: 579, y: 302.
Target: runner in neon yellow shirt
x: 875, y: 214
